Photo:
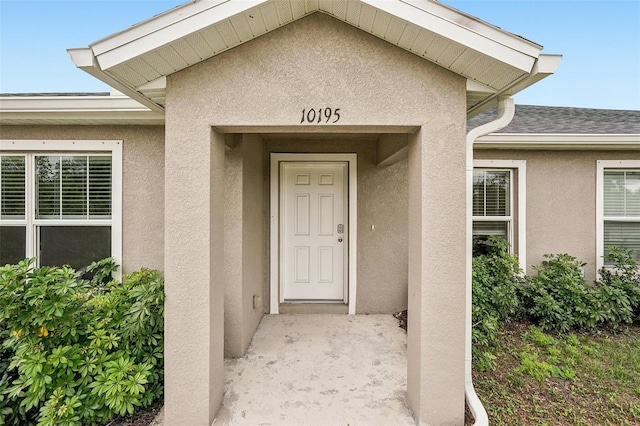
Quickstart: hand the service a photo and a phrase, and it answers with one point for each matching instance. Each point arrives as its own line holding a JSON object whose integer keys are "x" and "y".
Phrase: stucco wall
{"x": 245, "y": 241}
{"x": 561, "y": 201}
{"x": 382, "y": 203}
{"x": 233, "y": 253}
{"x": 142, "y": 184}
{"x": 316, "y": 62}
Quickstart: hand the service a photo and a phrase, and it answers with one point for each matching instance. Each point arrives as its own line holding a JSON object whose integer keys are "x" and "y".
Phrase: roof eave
{"x": 544, "y": 66}
{"x": 103, "y": 58}
{"x": 17, "y": 110}
{"x": 85, "y": 59}
{"x": 558, "y": 141}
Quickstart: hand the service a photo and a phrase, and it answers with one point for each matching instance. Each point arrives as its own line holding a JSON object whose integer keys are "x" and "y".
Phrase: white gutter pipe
{"x": 506, "y": 111}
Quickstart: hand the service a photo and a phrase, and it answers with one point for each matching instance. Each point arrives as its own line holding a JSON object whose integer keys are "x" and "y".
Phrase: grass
{"x": 573, "y": 379}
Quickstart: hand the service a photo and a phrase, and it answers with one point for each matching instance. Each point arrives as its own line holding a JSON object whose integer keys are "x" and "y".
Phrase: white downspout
{"x": 506, "y": 111}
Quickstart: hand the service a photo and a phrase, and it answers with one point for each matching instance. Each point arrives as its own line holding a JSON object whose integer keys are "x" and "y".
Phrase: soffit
{"x": 137, "y": 60}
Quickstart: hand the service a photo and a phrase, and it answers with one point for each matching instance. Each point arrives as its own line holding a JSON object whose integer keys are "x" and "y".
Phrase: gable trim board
{"x": 136, "y": 61}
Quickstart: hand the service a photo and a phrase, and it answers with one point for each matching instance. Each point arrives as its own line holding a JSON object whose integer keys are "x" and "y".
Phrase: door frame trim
{"x": 352, "y": 175}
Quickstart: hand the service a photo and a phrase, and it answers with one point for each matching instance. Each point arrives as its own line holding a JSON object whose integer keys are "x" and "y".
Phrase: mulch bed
{"x": 402, "y": 319}
{"x": 141, "y": 417}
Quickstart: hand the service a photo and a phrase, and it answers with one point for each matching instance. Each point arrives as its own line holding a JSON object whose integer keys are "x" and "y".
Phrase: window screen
{"x": 67, "y": 218}
{"x": 622, "y": 210}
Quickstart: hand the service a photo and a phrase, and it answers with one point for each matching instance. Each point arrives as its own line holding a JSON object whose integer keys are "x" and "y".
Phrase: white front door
{"x": 313, "y": 227}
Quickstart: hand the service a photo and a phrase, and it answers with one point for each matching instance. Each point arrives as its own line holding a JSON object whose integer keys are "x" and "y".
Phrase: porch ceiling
{"x": 137, "y": 60}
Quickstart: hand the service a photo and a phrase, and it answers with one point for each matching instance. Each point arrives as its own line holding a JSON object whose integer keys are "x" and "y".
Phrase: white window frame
{"x": 69, "y": 147}
{"x": 601, "y": 166}
{"x": 519, "y": 201}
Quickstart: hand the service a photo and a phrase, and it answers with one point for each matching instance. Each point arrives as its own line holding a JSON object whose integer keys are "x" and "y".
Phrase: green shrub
{"x": 558, "y": 298}
{"x": 79, "y": 351}
{"x": 496, "y": 276}
{"x": 620, "y": 287}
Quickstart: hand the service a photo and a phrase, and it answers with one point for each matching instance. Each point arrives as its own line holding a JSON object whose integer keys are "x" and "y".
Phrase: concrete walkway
{"x": 319, "y": 370}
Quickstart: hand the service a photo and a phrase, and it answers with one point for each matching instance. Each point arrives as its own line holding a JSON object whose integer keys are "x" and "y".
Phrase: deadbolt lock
{"x": 340, "y": 229}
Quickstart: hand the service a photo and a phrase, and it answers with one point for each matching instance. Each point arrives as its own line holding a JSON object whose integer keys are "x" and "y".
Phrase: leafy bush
{"x": 620, "y": 287}
{"x": 496, "y": 276}
{"x": 78, "y": 351}
{"x": 558, "y": 298}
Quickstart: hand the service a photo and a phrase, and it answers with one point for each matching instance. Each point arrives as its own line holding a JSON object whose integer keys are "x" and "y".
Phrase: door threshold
{"x": 314, "y": 308}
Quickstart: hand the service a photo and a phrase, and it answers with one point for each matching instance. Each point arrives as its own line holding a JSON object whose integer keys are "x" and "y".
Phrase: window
{"x": 58, "y": 203}
{"x": 618, "y": 199}
{"x": 497, "y": 210}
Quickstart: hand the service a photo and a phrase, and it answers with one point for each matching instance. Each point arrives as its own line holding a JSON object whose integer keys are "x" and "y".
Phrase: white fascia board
{"x": 115, "y": 109}
{"x": 507, "y": 48}
{"x": 69, "y": 103}
{"x": 85, "y": 59}
{"x": 82, "y": 57}
{"x": 544, "y": 66}
{"x": 149, "y": 118}
{"x": 558, "y": 141}
{"x": 175, "y": 25}
{"x": 153, "y": 24}
{"x": 477, "y": 25}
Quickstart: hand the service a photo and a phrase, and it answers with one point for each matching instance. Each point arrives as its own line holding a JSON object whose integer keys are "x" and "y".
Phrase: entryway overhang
{"x": 137, "y": 60}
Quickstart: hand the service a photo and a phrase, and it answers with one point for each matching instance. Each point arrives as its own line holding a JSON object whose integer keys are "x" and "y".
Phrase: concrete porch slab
{"x": 319, "y": 370}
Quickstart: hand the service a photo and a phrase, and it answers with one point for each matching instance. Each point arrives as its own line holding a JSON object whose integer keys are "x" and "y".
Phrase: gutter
{"x": 506, "y": 111}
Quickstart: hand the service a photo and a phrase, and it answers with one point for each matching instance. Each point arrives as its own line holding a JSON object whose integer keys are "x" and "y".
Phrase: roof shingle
{"x": 546, "y": 119}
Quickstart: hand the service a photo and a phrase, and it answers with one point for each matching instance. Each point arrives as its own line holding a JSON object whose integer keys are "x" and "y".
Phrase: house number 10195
{"x": 317, "y": 116}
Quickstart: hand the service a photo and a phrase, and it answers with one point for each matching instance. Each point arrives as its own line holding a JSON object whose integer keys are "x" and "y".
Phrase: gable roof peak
{"x": 136, "y": 60}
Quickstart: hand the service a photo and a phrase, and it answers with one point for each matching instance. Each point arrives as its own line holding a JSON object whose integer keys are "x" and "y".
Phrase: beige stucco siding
{"x": 315, "y": 62}
{"x": 245, "y": 241}
{"x": 142, "y": 183}
{"x": 262, "y": 87}
{"x": 561, "y": 201}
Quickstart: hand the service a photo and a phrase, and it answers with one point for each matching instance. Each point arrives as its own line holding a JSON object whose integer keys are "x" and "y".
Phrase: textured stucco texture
{"x": 244, "y": 243}
{"x": 316, "y": 62}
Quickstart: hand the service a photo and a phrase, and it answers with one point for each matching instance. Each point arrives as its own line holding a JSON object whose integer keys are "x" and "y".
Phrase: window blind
{"x": 491, "y": 192}
{"x": 487, "y": 229}
{"x": 99, "y": 187}
{"x": 621, "y": 193}
{"x": 622, "y": 235}
{"x": 12, "y": 187}
{"x": 73, "y": 187}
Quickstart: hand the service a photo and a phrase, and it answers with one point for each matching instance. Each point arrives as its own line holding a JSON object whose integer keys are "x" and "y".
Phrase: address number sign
{"x": 320, "y": 115}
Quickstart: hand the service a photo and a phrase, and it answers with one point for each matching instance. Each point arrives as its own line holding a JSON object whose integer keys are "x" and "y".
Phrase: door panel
{"x": 313, "y": 236}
